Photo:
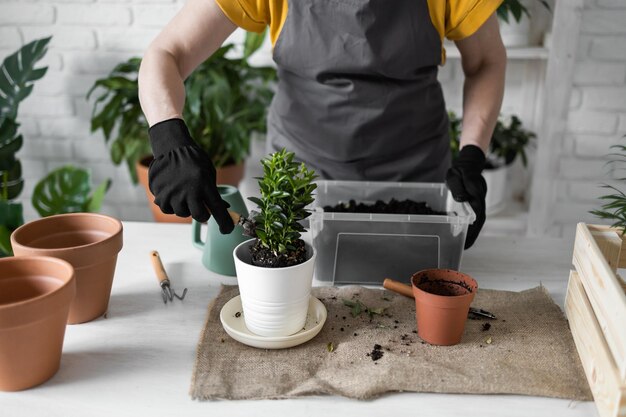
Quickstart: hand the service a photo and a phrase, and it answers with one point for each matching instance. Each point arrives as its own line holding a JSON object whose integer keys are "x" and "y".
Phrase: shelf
{"x": 521, "y": 53}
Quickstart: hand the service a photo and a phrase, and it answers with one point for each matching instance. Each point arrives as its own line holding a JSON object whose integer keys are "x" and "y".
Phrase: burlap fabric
{"x": 528, "y": 350}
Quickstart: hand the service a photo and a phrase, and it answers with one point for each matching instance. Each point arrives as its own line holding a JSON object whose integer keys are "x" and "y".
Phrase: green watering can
{"x": 217, "y": 249}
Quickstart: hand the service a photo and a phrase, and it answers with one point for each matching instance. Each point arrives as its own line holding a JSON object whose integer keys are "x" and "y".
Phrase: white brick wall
{"x": 598, "y": 121}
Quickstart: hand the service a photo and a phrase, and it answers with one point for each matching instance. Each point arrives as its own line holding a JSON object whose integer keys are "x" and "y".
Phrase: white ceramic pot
{"x": 515, "y": 34}
{"x": 274, "y": 300}
{"x": 497, "y": 189}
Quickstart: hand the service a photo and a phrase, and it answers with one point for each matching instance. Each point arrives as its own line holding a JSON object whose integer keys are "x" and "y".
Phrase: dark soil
{"x": 442, "y": 287}
{"x": 392, "y": 207}
{"x": 265, "y": 258}
{"x": 376, "y": 353}
{"x": 486, "y": 327}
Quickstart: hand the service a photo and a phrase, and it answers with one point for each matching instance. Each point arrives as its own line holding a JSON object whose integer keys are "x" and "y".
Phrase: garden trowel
{"x": 249, "y": 225}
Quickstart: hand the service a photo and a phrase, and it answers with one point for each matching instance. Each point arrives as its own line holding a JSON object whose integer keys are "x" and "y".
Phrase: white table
{"x": 139, "y": 360}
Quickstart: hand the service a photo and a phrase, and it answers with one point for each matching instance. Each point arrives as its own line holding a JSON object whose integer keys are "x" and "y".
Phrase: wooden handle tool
{"x": 398, "y": 287}
{"x": 248, "y": 225}
{"x": 166, "y": 291}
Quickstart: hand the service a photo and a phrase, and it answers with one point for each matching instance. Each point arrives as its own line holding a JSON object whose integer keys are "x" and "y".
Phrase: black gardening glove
{"x": 466, "y": 183}
{"x": 182, "y": 176}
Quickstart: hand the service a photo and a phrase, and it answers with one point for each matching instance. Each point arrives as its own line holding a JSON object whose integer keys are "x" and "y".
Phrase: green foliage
{"x": 454, "y": 131}
{"x": 17, "y": 75}
{"x": 11, "y": 217}
{"x": 68, "y": 190}
{"x": 226, "y": 101}
{"x": 357, "y": 307}
{"x": 517, "y": 9}
{"x": 286, "y": 189}
{"x": 509, "y": 139}
{"x": 614, "y": 204}
{"x": 117, "y": 113}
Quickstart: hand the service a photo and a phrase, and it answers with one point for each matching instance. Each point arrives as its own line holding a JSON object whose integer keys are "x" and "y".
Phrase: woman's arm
{"x": 483, "y": 58}
{"x": 190, "y": 37}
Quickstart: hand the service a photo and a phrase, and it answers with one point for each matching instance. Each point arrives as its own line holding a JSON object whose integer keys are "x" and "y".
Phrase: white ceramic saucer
{"x": 235, "y": 326}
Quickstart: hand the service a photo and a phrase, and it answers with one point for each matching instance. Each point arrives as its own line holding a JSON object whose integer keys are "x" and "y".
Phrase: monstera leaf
{"x": 68, "y": 190}
{"x": 17, "y": 74}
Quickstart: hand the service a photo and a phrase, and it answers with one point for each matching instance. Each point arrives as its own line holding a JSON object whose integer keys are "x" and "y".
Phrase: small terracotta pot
{"x": 228, "y": 175}
{"x": 35, "y": 297}
{"x": 89, "y": 242}
{"x": 442, "y": 301}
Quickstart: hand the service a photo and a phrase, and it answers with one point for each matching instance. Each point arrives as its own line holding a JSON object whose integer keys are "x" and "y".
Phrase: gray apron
{"x": 358, "y": 96}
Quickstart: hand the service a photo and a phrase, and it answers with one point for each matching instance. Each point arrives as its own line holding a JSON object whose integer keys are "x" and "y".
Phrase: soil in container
{"x": 443, "y": 287}
{"x": 264, "y": 257}
{"x": 381, "y": 207}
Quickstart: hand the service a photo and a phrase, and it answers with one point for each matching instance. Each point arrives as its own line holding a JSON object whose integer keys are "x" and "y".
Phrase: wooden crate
{"x": 596, "y": 308}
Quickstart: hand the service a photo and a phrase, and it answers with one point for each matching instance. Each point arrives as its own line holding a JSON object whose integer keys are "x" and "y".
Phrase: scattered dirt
{"x": 265, "y": 258}
{"x": 486, "y": 326}
{"x": 392, "y": 207}
{"x": 376, "y": 353}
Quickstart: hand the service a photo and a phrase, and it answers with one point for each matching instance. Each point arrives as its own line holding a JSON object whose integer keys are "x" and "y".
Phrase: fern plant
{"x": 286, "y": 190}
{"x": 614, "y": 203}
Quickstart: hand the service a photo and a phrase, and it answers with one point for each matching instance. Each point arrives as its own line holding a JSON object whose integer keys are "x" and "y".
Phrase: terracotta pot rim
{"x": 67, "y": 279}
{"x": 114, "y": 235}
{"x": 447, "y": 272}
{"x": 313, "y": 253}
{"x": 146, "y": 159}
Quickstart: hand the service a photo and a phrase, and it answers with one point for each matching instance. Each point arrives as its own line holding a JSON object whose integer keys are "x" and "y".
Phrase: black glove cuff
{"x": 471, "y": 156}
{"x": 168, "y": 135}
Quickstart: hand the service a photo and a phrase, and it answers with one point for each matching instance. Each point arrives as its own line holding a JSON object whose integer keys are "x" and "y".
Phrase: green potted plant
{"x": 515, "y": 32}
{"x": 275, "y": 270}
{"x": 508, "y": 142}
{"x": 64, "y": 190}
{"x": 227, "y": 100}
{"x": 614, "y": 204}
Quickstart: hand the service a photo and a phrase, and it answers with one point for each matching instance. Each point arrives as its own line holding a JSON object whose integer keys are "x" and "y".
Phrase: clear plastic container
{"x": 361, "y": 248}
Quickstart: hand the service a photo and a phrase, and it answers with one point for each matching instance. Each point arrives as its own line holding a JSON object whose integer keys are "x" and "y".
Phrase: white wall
{"x": 91, "y": 36}
{"x": 596, "y": 117}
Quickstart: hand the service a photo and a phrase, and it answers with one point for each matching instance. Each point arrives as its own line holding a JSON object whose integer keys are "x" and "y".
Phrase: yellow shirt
{"x": 453, "y": 19}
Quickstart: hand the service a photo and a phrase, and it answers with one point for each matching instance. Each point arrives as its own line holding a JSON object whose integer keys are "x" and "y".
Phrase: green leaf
{"x": 96, "y": 199}
{"x": 65, "y": 190}
{"x": 5, "y": 241}
{"x": 252, "y": 43}
{"x": 17, "y": 73}
{"x": 11, "y": 217}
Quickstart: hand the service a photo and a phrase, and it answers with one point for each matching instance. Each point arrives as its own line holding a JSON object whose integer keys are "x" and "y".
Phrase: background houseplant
{"x": 516, "y": 31}
{"x": 227, "y": 100}
{"x": 509, "y": 141}
{"x": 65, "y": 190}
{"x": 614, "y": 204}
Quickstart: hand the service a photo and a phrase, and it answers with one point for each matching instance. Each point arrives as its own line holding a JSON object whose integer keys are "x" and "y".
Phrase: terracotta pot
{"x": 442, "y": 301}
{"x": 228, "y": 175}
{"x": 89, "y": 242}
{"x": 35, "y": 297}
